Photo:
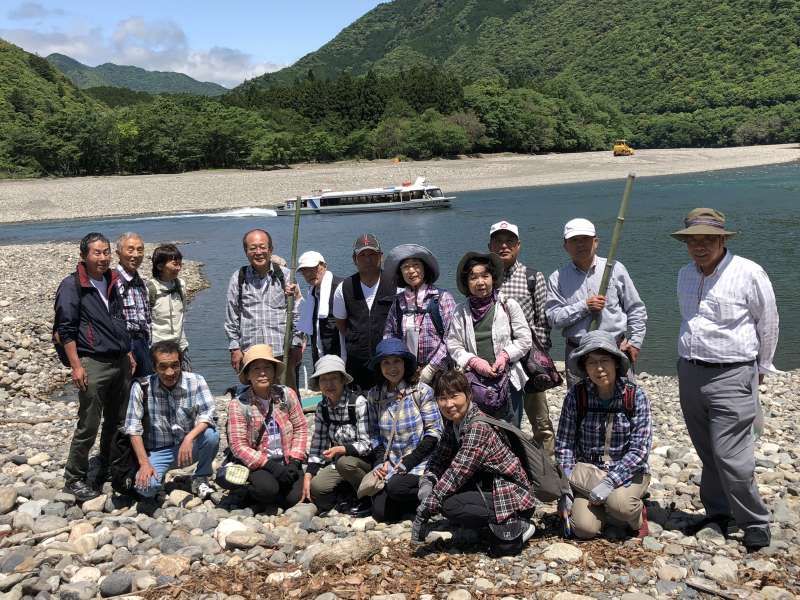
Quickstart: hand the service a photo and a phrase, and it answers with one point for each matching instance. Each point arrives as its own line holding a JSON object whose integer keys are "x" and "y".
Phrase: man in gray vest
{"x": 729, "y": 331}
{"x": 316, "y": 319}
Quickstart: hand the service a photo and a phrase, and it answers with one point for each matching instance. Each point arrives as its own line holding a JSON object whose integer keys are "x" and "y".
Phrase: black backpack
{"x": 352, "y": 419}
{"x": 547, "y": 481}
{"x": 582, "y": 403}
{"x": 122, "y": 462}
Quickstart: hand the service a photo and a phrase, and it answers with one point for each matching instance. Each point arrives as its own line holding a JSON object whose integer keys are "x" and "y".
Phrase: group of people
{"x": 408, "y": 377}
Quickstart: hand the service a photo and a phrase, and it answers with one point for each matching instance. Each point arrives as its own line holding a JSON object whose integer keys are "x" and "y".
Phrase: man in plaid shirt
{"x": 173, "y": 425}
{"x": 135, "y": 305}
{"x": 529, "y": 289}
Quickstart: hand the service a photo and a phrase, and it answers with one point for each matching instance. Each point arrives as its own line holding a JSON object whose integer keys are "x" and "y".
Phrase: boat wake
{"x": 235, "y": 213}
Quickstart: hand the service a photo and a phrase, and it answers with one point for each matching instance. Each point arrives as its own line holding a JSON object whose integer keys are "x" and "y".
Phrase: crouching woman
{"x": 603, "y": 442}
{"x": 340, "y": 453}
{"x": 267, "y": 432}
{"x": 473, "y": 478}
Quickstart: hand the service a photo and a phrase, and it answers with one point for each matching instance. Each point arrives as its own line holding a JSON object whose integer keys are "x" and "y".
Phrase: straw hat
{"x": 598, "y": 340}
{"x": 495, "y": 266}
{"x": 259, "y": 351}
{"x": 703, "y": 221}
{"x": 330, "y": 363}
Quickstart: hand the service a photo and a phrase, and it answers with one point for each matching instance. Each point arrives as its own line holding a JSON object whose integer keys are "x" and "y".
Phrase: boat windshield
{"x": 434, "y": 192}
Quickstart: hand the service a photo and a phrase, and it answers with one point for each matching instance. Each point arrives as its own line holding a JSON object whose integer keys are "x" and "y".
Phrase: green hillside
{"x": 652, "y": 56}
{"x": 132, "y": 78}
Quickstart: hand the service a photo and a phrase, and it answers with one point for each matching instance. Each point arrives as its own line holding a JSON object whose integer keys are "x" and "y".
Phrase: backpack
{"x": 122, "y": 462}
{"x": 352, "y": 419}
{"x": 548, "y": 482}
{"x": 276, "y": 268}
{"x": 582, "y": 403}
{"x": 57, "y": 345}
{"x": 432, "y": 308}
{"x": 153, "y": 292}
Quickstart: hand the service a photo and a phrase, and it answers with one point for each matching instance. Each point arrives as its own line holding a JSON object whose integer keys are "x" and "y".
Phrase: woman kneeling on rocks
{"x": 473, "y": 478}
{"x": 603, "y": 442}
{"x": 340, "y": 446}
{"x": 267, "y": 432}
{"x": 405, "y": 426}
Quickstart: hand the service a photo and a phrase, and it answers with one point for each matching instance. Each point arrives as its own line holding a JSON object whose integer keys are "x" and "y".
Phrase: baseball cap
{"x": 309, "y": 259}
{"x": 504, "y": 226}
{"x": 366, "y": 241}
{"x": 577, "y": 227}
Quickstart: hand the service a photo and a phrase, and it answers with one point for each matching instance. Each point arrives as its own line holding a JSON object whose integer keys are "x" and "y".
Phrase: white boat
{"x": 408, "y": 196}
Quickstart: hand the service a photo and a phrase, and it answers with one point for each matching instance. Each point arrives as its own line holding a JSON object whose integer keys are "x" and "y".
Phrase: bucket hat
{"x": 598, "y": 340}
{"x": 703, "y": 221}
{"x": 495, "y": 265}
{"x": 405, "y": 251}
{"x": 394, "y": 347}
{"x": 330, "y": 363}
{"x": 259, "y": 351}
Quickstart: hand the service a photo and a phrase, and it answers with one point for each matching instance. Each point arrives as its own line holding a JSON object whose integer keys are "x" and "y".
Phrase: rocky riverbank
{"x": 184, "y": 547}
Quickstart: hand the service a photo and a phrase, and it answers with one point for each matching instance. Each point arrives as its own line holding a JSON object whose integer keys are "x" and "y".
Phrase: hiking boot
{"x": 756, "y": 537}
{"x": 722, "y": 521}
{"x": 201, "y": 487}
{"x": 644, "y": 528}
{"x": 81, "y": 490}
{"x": 362, "y": 508}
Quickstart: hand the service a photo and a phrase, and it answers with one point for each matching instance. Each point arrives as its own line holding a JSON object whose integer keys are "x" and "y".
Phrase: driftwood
{"x": 346, "y": 552}
{"x": 701, "y": 586}
{"x": 31, "y": 420}
{"x": 46, "y": 534}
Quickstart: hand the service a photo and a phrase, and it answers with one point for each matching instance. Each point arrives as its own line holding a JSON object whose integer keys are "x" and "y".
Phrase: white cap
{"x": 577, "y": 227}
{"x": 309, "y": 259}
{"x": 504, "y": 226}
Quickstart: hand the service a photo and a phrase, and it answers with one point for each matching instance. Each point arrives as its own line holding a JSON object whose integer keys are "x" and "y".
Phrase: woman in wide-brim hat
{"x": 489, "y": 335}
{"x": 421, "y": 313}
{"x": 405, "y": 425}
{"x": 267, "y": 431}
{"x": 340, "y": 450}
{"x": 603, "y": 441}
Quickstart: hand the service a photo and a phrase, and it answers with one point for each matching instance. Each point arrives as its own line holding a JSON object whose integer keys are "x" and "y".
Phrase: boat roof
{"x": 419, "y": 184}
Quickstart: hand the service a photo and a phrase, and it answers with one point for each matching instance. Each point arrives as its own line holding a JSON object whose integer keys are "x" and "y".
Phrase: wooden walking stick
{"x": 287, "y": 338}
{"x": 612, "y": 250}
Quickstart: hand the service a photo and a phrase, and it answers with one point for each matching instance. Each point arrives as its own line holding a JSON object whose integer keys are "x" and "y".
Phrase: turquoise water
{"x": 760, "y": 202}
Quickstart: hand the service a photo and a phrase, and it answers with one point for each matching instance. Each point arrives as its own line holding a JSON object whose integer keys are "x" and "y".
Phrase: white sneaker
{"x": 201, "y": 487}
{"x": 528, "y": 533}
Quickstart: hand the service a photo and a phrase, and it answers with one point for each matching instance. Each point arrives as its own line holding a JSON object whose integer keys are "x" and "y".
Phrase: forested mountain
{"x": 132, "y": 78}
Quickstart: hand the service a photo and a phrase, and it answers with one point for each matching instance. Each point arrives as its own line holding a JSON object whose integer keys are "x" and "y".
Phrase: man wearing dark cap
{"x": 361, "y": 304}
{"x": 728, "y": 335}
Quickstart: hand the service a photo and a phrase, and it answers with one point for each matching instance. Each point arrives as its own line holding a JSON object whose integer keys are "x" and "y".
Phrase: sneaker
{"x": 362, "y": 508}
{"x": 81, "y": 490}
{"x": 201, "y": 487}
{"x": 756, "y": 537}
{"x": 644, "y": 528}
{"x": 528, "y": 533}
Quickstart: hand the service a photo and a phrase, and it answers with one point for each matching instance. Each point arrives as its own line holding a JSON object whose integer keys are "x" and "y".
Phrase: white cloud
{"x": 32, "y": 10}
{"x": 152, "y": 45}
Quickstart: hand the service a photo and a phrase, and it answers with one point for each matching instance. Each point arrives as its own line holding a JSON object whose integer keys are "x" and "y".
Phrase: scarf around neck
{"x": 480, "y": 306}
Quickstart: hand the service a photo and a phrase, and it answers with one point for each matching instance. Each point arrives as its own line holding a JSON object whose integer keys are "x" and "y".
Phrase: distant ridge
{"x": 132, "y": 78}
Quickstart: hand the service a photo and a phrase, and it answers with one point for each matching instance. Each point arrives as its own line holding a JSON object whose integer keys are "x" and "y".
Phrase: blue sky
{"x": 225, "y": 42}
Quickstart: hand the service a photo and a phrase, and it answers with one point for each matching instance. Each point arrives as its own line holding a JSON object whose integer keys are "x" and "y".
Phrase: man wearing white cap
{"x": 316, "y": 309}
{"x": 573, "y": 299}
{"x": 529, "y": 288}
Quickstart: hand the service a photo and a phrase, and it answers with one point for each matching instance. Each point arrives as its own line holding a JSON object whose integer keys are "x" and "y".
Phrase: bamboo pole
{"x": 287, "y": 339}
{"x": 612, "y": 250}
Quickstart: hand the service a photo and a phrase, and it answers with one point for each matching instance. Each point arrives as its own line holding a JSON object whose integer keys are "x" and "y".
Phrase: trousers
{"x": 720, "y": 407}
{"x": 397, "y": 499}
{"x": 204, "y": 450}
{"x": 268, "y": 487}
{"x": 539, "y": 417}
{"x": 622, "y": 507}
{"x": 349, "y": 470}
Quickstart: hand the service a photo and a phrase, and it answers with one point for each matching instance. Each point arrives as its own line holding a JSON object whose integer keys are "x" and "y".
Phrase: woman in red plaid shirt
{"x": 473, "y": 478}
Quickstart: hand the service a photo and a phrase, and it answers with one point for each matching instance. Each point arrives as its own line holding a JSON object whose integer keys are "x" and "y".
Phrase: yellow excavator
{"x": 621, "y": 148}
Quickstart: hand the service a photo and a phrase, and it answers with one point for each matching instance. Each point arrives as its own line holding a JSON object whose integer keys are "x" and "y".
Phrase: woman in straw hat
{"x": 421, "y": 313}
{"x": 340, "y": 453}
{"x": 405, "y": 425}
{"x": 489, "y": 335}
{"x": 603, "y": 441}
{"x": 267, "y": 431}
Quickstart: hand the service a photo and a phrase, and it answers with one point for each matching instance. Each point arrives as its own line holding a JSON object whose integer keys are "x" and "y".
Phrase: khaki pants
{"x": 623, "y": 507}
{"x": 539, "y": 418}
{"x": 350, "y": 469}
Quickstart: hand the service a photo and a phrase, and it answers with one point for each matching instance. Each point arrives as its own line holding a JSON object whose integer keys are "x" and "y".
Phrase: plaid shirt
{"x": 135, "y": 303}
{"x": 243, "y": 432}
{"x": 630, "y": 439}
{"x": 354, "y": 438}
{"x": 190, "y": 402}
{"x": 480, "y": 453}
{"x": 431, "y": 348}
{"x": 415, "y": 419}
{"x": 263, "y": 312}
{"x": 515, "y": 285}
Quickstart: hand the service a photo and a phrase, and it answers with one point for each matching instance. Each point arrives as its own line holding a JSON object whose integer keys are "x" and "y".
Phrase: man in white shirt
{"x": 316, "y": 319}
{"x": 728, "y": 335}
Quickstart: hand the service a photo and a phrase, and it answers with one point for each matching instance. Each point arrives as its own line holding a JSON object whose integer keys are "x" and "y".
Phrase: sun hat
{"x": 330, "y": 363}
{"x": 703, "y": 221}
{"x": 577, "y": 227}
{"x": 309, "y": 259}
{"x": 495, "y": 265}
{"x": 366, "y": 241}
{"x": 405, "y": 251}
{"x": 259, "y": 351}
{"x": 394, "y": 347}
{"x": 504, "y": 226}
{"x": 598, "y": 340}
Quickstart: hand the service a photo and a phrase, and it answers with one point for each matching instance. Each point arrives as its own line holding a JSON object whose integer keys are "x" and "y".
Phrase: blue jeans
{"x": 163, "y": 459}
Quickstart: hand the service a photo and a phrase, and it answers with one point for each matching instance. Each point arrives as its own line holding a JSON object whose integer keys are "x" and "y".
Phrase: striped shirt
{"x": 569, "y": 288}
{"x": 135, "y": 303}
{"x": 339, "y": 432}
{"x": 187, "y": 404}
{"x": 729, "y": 316}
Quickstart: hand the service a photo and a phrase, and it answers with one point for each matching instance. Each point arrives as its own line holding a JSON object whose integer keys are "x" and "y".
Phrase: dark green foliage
{"x": 117, "y": 96}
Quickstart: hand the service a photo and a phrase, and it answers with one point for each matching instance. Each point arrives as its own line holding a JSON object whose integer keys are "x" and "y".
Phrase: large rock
{"x": 8, "y": 499}
{"x": 225, "y": 528}
{"x": 95, "y": 504}
{"x": 116, "y": 584}
{"x": 79, "y": 530}
{"x": 49, "y": 523}
{"x": 562, "y": 551}
{"x": 354, "y": 549}
{"x": 723, "y": 570}
{"x": 90, "y": 574}
{"x": 170, "y": 565}
{"x": 243, "y": 540}
{"x": 81, "y": 590}
{"x": 85, "y": 544}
